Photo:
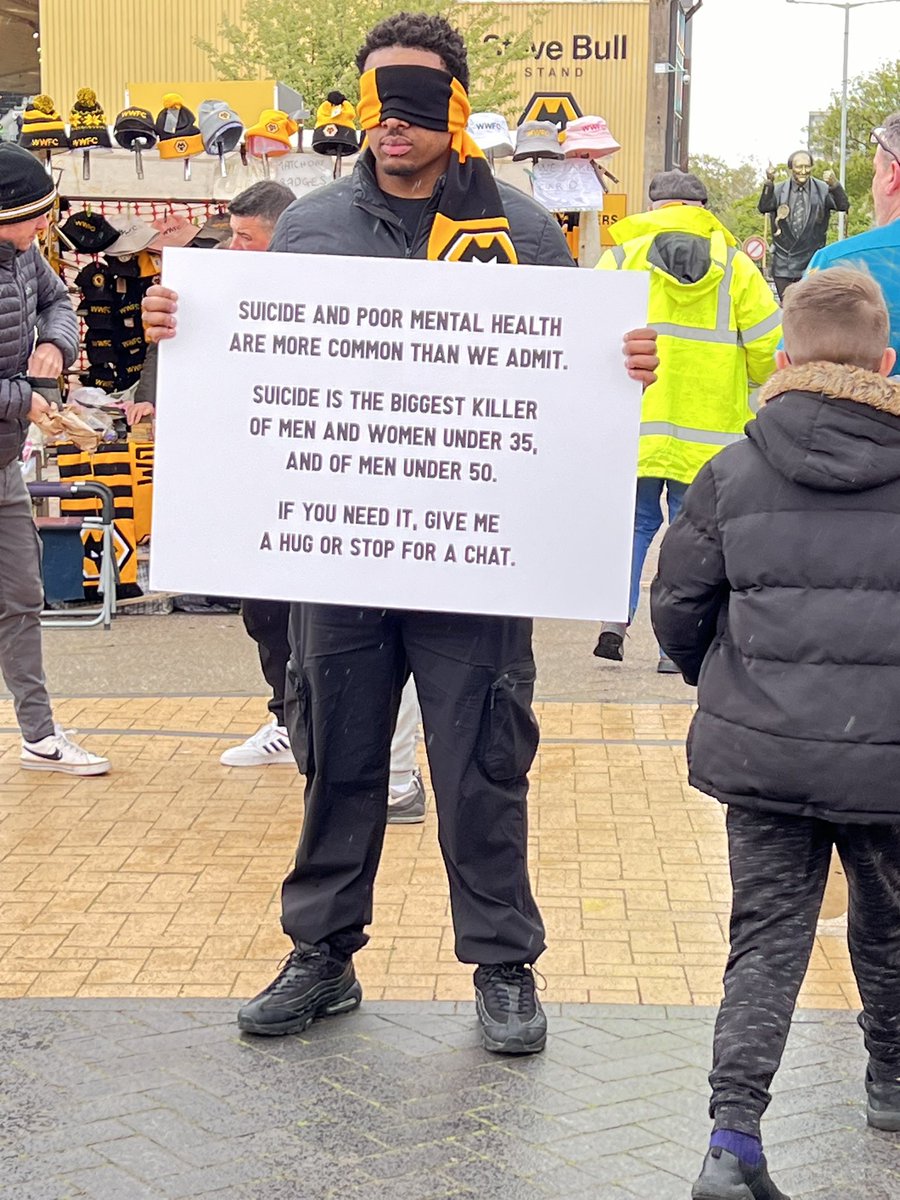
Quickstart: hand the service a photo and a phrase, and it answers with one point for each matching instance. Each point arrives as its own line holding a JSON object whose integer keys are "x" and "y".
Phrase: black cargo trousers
{"x": 779, "y": 868}
{"x": 475, "y": 679}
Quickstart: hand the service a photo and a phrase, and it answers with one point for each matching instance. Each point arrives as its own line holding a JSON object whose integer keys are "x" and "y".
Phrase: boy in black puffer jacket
{"x": 779, "y": 594}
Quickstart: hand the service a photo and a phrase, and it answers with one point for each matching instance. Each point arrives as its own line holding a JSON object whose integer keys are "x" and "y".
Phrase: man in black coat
{"x": 779, "y": 592}
{"x": 413, "y": 195}
{"x": 799, "y": 209}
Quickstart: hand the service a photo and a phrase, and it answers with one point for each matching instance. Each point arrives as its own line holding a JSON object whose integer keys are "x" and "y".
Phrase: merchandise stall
{"x": 160, "y": 174}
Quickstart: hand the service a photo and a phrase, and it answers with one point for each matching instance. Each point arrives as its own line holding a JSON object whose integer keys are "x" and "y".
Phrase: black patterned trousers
{"x": 779, "y": 868}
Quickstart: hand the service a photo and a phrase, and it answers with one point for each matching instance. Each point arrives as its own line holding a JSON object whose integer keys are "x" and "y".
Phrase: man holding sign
{"x": 422, "y": 189}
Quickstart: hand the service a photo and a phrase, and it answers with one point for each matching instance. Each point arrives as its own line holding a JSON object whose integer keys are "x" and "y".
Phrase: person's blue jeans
{"x": 648, "y": 519}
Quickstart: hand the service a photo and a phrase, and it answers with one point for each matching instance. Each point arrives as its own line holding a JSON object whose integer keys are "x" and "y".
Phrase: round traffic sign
{"x": 755, "y": 248}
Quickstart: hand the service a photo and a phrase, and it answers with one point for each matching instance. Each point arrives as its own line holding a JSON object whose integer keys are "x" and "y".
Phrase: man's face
{"x": 23, "y": 233}
{"x": 801, "y": 168}
{"x": 249, "y": 233}
{"x": 404, "y": 151}
{"x": 885, "y": 187}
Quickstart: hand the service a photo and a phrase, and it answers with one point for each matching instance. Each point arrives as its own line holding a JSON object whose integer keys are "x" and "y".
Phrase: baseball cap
{"x": 537, "y": 139}
{"x": 589, "y": 137}
{"x": 88, "y": 233}
{"x": 134, "y": 235}
{"x": 217, "y": 229}
{"x": 173, "y": 231}
{"x": 491, "y": 132}
{"x": 677, "y": 185}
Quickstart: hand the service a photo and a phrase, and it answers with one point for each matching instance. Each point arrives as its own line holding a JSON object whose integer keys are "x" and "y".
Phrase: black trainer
{"x": 610, "y": 645}
{"x": 512, "y": 1020}
{"x": 725, "y": 1177}
{"x": 884, "y": 1103}
{"x": 310, "y": 984}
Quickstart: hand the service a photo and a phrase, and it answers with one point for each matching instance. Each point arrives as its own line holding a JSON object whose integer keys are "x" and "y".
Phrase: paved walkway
{"x": 163, "y": 1100}
{"x": 162, "y": 878}
{"x": 137, "y": 909}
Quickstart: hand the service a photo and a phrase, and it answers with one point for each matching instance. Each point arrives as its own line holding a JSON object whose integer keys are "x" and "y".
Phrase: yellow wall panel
{"x": 596, "y": 52}
{"x": 106, "y": 44}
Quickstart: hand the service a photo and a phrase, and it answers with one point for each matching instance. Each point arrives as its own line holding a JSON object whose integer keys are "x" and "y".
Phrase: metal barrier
{"x": 101, "y": 522}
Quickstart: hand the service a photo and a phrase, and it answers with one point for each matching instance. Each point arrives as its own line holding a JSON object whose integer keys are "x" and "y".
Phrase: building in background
{"x": 19, "y": 57}
{"x": 625, "y": 60}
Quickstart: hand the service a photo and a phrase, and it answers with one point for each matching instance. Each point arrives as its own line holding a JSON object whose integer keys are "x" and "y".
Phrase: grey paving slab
{"x": 212, "y": 655}
{"x": 165, "y": 1100}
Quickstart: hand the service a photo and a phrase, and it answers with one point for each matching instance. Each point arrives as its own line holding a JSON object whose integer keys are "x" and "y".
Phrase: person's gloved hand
{"x": 830, "y": 178}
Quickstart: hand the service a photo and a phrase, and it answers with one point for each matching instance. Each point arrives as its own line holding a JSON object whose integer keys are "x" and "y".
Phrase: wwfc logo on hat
{"x": 330, "y": 130}
{"x": 181, "y": 145}
{"x": 558, "y": 107}
{"x": 272, "y": 127}
{"x": 224, "y": 115}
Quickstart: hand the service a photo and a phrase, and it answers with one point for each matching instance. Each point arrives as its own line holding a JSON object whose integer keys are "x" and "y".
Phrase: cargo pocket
{"x": 297, "y": 717}
{"x": 511, "y": 733}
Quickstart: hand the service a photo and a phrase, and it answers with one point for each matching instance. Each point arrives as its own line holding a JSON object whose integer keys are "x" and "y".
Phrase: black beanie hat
{"x": 26, "y": 190}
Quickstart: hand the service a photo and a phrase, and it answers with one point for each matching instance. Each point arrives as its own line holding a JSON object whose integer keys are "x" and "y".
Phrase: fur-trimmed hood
{"x": 832, "y": 427}
{"x": 839, "y": 381}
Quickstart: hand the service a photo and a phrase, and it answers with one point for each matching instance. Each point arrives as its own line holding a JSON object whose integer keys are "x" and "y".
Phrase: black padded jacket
{"x": 779, "y": 590}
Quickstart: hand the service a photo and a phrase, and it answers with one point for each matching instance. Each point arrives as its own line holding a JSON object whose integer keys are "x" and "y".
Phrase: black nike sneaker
{"x": 512, "y": 1020}
{"x": 726, "y": 1177}
{"x": 311, "y": 983}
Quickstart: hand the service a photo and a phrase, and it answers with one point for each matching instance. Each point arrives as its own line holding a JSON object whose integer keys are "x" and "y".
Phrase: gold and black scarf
{"x": 470, "y": 224}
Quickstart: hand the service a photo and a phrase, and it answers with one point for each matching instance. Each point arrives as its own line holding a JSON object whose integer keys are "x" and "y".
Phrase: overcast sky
{"x": 760, "y": 67}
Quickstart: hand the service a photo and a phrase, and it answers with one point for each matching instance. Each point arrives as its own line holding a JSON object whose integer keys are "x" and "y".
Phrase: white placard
{"x": 302, "y": 173}
{"x": 398, "y": 433}
{"x": 570, "y": 185}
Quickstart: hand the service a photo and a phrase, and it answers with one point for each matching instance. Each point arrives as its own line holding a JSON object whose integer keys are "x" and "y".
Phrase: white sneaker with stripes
{"x": 267, "y": 746}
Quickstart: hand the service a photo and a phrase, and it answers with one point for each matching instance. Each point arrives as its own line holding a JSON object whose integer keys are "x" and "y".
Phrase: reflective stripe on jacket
{"x": 718, "y": 327}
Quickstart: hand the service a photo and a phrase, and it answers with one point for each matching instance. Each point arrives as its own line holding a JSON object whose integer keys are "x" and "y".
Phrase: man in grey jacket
{"x": 409, "y": 197}
{"x": 38, "y": 340}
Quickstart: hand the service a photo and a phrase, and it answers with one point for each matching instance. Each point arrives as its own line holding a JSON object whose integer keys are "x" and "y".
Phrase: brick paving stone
{"x": 162, "y": 878}
{"x": 344, "y": 1111}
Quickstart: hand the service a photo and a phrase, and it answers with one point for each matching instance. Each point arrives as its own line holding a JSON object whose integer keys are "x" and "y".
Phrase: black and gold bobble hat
{"x": 179, "y": 136}
{"x": 42, "y": 126}
{"x": 87, "y": 123}
{"x": 26, "y": 190}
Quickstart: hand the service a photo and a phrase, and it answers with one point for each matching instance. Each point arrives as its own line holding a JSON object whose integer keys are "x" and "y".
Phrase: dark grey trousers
{"x": 475, "y": 678}
{"x": 779, "y": 868}
{"x": 266, "y": 621}
{"x": 21, "y": 601}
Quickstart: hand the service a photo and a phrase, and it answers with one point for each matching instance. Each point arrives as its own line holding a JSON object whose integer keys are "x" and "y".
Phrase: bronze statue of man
{"x": 800, "y": 209}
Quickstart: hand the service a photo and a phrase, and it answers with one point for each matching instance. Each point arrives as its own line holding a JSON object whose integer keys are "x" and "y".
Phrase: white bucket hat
{"x": 491, "y": 133}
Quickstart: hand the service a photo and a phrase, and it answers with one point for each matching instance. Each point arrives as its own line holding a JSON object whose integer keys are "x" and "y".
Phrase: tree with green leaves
{"x": 733, "y": 193}
{"x": 311, "y": 47}
{"x": 871, "y": 98}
